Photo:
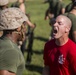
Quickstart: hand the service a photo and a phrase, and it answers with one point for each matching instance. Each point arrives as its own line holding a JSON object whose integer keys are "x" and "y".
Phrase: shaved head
{"x": 67, "y": 21}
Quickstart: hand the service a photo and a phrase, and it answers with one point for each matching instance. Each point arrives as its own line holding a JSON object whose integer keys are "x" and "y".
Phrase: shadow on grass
{"x": 34, "y": 68}
{"x": 36, "y": 51}
{"x": 41, "y": 39}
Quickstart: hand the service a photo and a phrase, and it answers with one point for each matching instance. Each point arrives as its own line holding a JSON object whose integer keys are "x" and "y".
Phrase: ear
{"x": 67, "y": 30}
{"x": 18, "y": 29}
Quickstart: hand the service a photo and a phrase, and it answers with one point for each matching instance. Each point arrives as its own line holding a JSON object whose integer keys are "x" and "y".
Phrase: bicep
{"x": 5, "y": 72}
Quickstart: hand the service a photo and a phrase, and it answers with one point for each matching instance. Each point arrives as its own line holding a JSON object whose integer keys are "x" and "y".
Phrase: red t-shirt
{"x": 60, "y": 59}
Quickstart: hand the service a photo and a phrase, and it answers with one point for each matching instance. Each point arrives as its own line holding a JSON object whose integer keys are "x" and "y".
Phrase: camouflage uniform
{"x": 11, "y": 57}
{"x": 69, "y": 6}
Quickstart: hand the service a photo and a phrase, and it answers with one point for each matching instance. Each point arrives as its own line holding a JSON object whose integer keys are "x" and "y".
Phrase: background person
{"x": 60, "y": 53}
{"x": 72, "y": 16}
{"x": 56, "y": 7}
{"x": 11, "y": 58}
{"x": 51, "y": 9}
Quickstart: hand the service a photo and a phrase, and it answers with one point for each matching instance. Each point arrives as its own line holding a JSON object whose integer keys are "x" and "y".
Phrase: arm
{"x": 30, "y": 24}
{"x": 46, "y": 71}
{"x": 63, "y": 10}
{"x": 5, "y": 72}
{"x": 46, "y": 14}
{"x": 22, "y": 7}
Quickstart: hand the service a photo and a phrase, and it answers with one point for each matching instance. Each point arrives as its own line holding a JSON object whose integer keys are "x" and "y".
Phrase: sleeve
{"x": 45, "y": 57}
{"x": 9, "y": 60}
{"x": 68, "y": 8}
{"x": 73, "y": 23}
{"x": 72, "y": 60}
{"x": 26, "y": 17}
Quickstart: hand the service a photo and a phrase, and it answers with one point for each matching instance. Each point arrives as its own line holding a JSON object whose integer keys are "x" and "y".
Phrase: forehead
{"x": 60, "y": 19}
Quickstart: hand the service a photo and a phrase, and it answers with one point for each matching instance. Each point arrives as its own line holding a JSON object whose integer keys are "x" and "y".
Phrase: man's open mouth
{"x": 55, "y": 31}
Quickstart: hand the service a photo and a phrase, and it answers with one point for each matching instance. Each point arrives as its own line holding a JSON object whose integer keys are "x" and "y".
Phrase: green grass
{"x": 37, "y": 9}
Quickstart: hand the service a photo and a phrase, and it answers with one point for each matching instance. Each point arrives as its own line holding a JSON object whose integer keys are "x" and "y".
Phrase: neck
{"x": 61, "y": 41}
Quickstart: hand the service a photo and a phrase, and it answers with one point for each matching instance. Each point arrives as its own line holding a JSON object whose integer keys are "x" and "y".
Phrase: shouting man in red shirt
{"x": 60, "y": 52}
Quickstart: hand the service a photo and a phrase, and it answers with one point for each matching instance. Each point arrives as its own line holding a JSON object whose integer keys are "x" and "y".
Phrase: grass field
{"x": 37, "y": 9}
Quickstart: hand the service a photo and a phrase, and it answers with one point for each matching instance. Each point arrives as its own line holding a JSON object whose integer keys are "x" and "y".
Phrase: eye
{"x": 60, "y": 23}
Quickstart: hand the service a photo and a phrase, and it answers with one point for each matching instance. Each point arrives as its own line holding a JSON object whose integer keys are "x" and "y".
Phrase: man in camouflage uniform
{"x": 11, "y": 58}
{"x": 56, "y": 7}
{"x": 72, "y": 16}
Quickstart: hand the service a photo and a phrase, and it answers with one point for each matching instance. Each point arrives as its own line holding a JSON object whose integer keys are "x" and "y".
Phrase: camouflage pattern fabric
{"x": 11, "y": 18}
{"x": 3, "y": 2}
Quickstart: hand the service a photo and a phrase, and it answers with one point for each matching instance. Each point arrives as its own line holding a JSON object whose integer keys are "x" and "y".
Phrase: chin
{"x": 55, "y": 37}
